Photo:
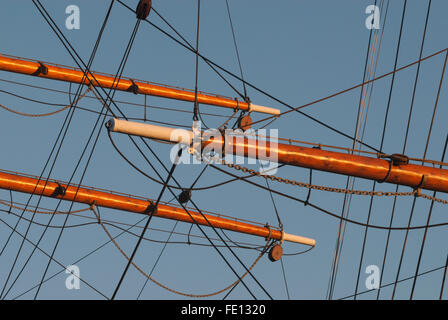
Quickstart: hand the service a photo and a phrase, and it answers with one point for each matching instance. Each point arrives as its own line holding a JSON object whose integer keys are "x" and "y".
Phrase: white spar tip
{"x": 298, "y": 239}
{"x": 150, "y": 131}
{"x": 262, "y": 109}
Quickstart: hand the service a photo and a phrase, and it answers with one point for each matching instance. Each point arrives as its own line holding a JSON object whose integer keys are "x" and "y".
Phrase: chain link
{"x": 417, "y": 192}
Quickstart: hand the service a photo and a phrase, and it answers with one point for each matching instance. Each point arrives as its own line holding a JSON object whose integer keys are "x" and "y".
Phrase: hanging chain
{"x": 267, "y": 247}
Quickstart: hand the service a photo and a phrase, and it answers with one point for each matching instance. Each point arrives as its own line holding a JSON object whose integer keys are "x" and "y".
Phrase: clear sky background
{"x": 296, "y": 50}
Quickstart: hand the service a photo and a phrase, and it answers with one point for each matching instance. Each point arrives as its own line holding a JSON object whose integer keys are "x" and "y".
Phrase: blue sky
{"x": 296, "y": 50}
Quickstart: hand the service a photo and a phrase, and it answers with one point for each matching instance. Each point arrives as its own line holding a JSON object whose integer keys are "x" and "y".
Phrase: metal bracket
{"x": 151, "y": 208}
{"x": 43, "y": 69}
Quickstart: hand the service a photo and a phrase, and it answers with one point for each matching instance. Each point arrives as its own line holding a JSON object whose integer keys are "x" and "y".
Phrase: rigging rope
{"x": 411, "y": 109}
{"x": 191, "y": 295}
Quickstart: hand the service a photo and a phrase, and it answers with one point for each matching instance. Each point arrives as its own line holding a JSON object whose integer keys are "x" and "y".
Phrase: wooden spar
{"x": 106, "y": 81}
{"x": 111, "y": 200}
{"x": 414, "y": 176}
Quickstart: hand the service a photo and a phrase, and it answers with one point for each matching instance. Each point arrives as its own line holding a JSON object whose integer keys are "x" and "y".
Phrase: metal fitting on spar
{"x": 297, "y": 239}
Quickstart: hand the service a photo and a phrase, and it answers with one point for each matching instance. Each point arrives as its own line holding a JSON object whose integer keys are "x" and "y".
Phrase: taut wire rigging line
{"x": 350, "y": 181}
{"x": 41, "y": 10}
{"x": 325, "y": 211}
{"x": 428, "y": 221}
{"x": 395, "y": 282}
{"x": 48, "y": 255}
{"x": 93, "y": 97}
{"x": 383, "y": 135}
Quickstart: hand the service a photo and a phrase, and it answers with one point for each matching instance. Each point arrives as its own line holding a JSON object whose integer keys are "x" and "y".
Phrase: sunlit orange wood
{"x": 88, "y": 196}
